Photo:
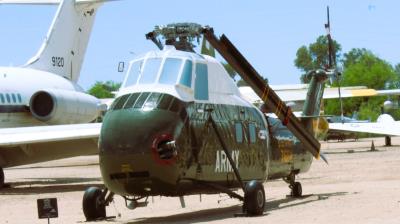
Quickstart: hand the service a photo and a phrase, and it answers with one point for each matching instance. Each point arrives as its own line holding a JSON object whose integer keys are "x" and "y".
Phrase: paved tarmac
{"x": 358, "y": 186}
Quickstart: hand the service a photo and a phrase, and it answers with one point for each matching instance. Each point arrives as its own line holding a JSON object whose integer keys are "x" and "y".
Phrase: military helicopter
{"x": 179, "y": 126}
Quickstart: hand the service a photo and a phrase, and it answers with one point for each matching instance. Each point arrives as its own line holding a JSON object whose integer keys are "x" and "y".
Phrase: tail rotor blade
{"x": 332, "y": 60}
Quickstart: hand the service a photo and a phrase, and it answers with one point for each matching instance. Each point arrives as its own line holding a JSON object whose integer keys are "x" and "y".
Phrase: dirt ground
{"x": 357, "y": 186}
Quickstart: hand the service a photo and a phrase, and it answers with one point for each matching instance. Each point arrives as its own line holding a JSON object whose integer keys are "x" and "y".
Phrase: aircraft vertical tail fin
{"x": 312, "y": 104}
{"x": 64, "y": 47}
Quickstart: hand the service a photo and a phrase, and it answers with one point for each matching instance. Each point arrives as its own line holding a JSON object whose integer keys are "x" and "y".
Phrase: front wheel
{"x": 254, "y": 198}
{"x": 92, "y": 206}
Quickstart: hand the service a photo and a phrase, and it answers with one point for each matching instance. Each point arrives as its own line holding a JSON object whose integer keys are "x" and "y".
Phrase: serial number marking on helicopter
{"x": 125, "y": 168}
{"x": 222, "y": 164}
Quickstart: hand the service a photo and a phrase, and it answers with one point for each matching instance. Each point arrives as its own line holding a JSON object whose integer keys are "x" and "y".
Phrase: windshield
{"x": 150, "y": 71}
{"x": 146, "y": 72}
{"x": 134, "y": 73}
{"x": 171, "y": 69}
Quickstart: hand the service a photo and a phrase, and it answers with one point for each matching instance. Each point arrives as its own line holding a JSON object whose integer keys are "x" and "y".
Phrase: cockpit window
{"x": 186, "y": 78}
{"x": 150, "y": 71}
{"x": 201, "y": 82}
{"x": 134, "y": 73}
{"x": 152, "y": 101}
{"x": 140, "y": 101}
{"x": 171, "y": 69}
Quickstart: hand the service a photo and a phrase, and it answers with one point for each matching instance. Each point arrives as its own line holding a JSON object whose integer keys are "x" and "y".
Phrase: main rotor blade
{"x": 229, "y": 52}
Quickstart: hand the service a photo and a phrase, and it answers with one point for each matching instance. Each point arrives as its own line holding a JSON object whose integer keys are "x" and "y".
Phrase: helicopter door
{"x": 201, "y": 82}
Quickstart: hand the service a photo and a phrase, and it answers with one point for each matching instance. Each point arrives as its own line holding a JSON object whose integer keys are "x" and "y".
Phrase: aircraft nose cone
{"x": 135, "y": 131}
{"x": 139, "y": 147}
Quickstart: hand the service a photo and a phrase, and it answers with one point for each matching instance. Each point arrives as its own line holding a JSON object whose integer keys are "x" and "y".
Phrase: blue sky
{"x": 268, "y": 33}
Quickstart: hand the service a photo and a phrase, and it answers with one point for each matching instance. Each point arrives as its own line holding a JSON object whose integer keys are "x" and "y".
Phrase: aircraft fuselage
{"x": 132, "y": 165}
{"x": 18, "y": 85}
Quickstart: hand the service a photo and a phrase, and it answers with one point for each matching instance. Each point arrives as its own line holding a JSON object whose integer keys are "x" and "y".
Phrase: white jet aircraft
{"x": 385, "y": 125}
{"x": 45, "y": 92}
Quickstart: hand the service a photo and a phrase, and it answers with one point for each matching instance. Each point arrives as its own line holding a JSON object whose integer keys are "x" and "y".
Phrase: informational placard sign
{"x": 47, "y": 208}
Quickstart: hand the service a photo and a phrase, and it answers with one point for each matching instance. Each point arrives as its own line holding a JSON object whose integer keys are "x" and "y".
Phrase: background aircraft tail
{"x": 64, "y": 47}
{"x": 312, "y": 104}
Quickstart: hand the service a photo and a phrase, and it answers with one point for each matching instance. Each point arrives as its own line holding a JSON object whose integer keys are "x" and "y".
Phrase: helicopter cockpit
{"x": 176, "y": 69}
{"x": 169, "y": 70}
{"x": 185, "y": 75}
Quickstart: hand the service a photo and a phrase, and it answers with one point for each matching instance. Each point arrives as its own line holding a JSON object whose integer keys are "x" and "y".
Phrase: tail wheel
{"x": 92, "y": 206}
{"x": 297, "y": 190}
{"x": 254, "y": 198}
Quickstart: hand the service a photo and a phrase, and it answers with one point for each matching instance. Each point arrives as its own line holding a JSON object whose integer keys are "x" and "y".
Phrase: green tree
{"x": 396, "y": 82}
{"x": 362, "y": 67}
{"x": 103, "y": 90}
{"x": 232, "y": 73}
{"x": 241, "y": 82}
{"x": 369, "y": 70}
{"x": 315, "y": 56}
{"x": 353, "y": 56}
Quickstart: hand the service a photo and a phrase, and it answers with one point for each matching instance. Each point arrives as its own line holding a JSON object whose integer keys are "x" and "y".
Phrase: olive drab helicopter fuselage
{"x": 180, "y": 126}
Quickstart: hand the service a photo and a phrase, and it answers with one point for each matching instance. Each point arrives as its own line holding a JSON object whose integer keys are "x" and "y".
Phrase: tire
{"x": 92, "y": 209}
{"x": 1, "y": 178}
{"x": 297, "y": 190}
{"x": 254, "y": 198}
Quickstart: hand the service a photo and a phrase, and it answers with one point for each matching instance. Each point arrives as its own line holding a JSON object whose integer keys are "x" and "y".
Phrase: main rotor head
{"x": 180, "y": 35}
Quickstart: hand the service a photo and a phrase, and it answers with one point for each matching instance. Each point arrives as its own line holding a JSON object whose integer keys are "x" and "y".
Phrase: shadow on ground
{"x": 229, "y": 212}
{"x": 49, "y": 185}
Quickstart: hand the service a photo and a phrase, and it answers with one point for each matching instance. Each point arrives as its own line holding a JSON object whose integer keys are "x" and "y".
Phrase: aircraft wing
{"x": 382, "y": 128}
{"x": 49, "y": 2}
{"x": 299, "y": 94}
{"x": 39, "y": 134}
{"x": 26, "y": 145}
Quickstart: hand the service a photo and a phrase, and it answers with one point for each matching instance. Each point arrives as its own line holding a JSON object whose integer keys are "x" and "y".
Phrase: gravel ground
{"x": 358, "y": 186}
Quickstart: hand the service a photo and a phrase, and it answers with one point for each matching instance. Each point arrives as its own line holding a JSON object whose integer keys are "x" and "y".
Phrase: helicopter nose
{"x": 139, "y": 148}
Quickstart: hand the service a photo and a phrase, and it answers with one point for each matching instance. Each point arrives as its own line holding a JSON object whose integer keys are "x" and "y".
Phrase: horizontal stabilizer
{"x": 50, "y": 2}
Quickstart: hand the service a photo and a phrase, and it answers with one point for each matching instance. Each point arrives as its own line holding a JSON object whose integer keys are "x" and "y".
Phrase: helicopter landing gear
{"x": 254, "y": 194}
{"x": 296, "y": 190}
{"x": 94, "y": 203}
{"x": 254, "y": 198}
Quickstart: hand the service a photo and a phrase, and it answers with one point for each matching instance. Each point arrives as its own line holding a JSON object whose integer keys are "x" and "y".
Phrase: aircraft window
{"x": 201, "y": 82}
{"x": 252, "y": 132}
{"x": 114, "y": 103}
{"x": 239, "y": 132}
{"x": 165, "y": 102}
{"x": 8, "y": 98}
{"x": 131, "y": 101}
{"x": 14, "y": 99}
{"x": 150, "y": 71}
{"x": 2, "y": 97}
{"x": 152, "y": 101}
{"x": 140, "y": 101}
{"x": 186, "y": 78}
{"x": 19, "y": 98}
{"x": 134, "y": 73}
{"x": 175, "y": 105}
{"x": 170, "y": 70}
{"x": 121, "y": 102}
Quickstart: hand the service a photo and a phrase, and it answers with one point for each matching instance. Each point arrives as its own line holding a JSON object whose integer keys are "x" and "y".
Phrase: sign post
{"x": 47, "y": 208}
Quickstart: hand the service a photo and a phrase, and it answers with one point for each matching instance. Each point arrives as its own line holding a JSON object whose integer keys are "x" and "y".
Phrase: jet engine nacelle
{"x": 54, "y": 106}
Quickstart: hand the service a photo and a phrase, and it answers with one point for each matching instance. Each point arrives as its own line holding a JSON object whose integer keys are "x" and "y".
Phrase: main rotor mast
{"x": 180, "y": 35}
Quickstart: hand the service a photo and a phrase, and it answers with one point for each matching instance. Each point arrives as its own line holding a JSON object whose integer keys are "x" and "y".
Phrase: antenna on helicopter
{"x": 180, "y": 35}
{"x": 332, "y": 60}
